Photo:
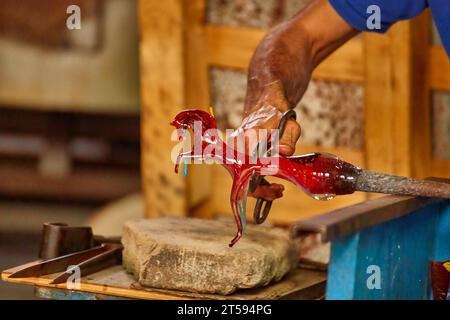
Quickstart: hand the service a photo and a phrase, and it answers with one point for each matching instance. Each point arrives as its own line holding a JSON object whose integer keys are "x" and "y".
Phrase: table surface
{"x": 115, "y": 282}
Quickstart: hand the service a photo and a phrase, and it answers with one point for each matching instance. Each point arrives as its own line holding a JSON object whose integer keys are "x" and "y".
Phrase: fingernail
{"x": 285, "y": 149}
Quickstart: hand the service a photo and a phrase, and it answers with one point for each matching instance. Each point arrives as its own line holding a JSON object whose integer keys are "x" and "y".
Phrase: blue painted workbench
{"x": 382, "y": 248}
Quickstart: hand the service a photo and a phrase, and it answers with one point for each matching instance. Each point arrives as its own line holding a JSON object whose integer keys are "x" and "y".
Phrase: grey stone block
{"x": 193, "y": 255}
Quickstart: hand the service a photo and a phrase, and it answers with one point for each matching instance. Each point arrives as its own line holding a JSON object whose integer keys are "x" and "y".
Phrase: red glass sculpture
{"x": 322, "y": 176}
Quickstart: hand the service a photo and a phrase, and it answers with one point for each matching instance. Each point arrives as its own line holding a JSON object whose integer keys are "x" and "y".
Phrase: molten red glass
{"x": 322, "y": 176}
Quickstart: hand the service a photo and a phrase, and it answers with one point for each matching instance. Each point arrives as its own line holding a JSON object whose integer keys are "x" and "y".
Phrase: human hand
{"x": 266, "y": 114}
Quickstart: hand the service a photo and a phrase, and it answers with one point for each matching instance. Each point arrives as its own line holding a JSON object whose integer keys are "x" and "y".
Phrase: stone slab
{"x": 193, "y": 255}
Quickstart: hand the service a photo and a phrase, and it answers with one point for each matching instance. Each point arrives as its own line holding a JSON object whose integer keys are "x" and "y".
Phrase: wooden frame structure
{"x": 177, "y": 48}
{"x": 402, "y": 69}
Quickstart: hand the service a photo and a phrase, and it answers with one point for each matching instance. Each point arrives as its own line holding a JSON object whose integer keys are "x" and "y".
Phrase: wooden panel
{"x": 399, "y": 76}
{"x": 438, "y": 168}
{"x": 388, "y": 100}
{"x": 162, "y": 95}
{"x": 421, "y": 123}
{"x": 346, "y": 64}
{"x": 378, "y": 97}
{"x": 377, "y": 102}
{"x": 402, "y": 98}
{"x": 295, "y": 204}
{"x": 196, "y": 90}
{"x": 116, "y": 282}
{"x": 432, "y": 72}
{"x": 233, "y": 48}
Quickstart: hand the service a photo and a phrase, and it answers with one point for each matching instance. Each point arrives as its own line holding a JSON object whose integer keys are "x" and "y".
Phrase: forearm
{"x": 285, "y": 56}
{"x": 289, "y": 53}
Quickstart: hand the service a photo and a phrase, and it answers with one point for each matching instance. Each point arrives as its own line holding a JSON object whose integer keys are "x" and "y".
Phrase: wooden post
{"x": 396, "y": 98}
{"x": 162, "y": 94}
{"x": 421, "y": 109}
{"x": 387, "y": 101}
{"x": 197, "y": 97}
{"x": 432, "y": 72}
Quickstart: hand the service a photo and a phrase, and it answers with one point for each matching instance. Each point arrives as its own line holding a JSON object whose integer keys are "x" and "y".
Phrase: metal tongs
{"x": 257, "y": 179}
{"x": 64, "y": 248}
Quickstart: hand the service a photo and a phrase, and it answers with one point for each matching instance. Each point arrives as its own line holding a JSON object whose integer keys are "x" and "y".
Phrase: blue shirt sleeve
{"x": 441, "y": 15}
{"x": 356, "y": 12}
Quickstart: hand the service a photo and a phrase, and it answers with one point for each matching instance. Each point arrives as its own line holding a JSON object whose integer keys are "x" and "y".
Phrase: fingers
{"x": 269, "y": 192}
{"x": 250, "y": 138}
{"x": 290, "y": 137}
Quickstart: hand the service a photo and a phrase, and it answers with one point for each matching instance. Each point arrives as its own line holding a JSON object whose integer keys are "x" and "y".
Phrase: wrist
{"x": 272, "y": 94}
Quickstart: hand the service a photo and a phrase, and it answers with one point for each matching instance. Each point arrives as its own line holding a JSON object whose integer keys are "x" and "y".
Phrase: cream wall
{"x": 103, "y": 80}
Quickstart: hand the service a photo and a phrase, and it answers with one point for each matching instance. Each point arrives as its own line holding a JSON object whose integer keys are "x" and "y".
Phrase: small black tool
{"x": 63, "y": 247}
{"x": 256, "y": 180}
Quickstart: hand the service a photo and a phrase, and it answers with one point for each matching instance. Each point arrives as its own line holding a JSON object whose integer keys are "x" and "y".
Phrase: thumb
{"x": 290, "y": 137}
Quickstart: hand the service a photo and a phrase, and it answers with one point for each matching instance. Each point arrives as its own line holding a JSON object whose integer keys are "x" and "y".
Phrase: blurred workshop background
{"x": 73, "y": 103}
{"x": 69, "y": 118}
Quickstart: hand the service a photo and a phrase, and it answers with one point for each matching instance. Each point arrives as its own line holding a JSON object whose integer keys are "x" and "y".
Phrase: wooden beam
{"x": 440, "y": 168}
{"x": 402, "y": 86}
{"x": 346, "y": 64}
{"x": 432, "y": 72}
{"x": 232, "y": 47}
{"x": 421, "y": 148}
{"x": 162, "y": 97}
{"x": 439, "y": 70}
{"x": 378, "y": 103}
{"x": 400, "y": 72}
{"x": 388, "y": 100}
{"x": 197, "y": 93}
